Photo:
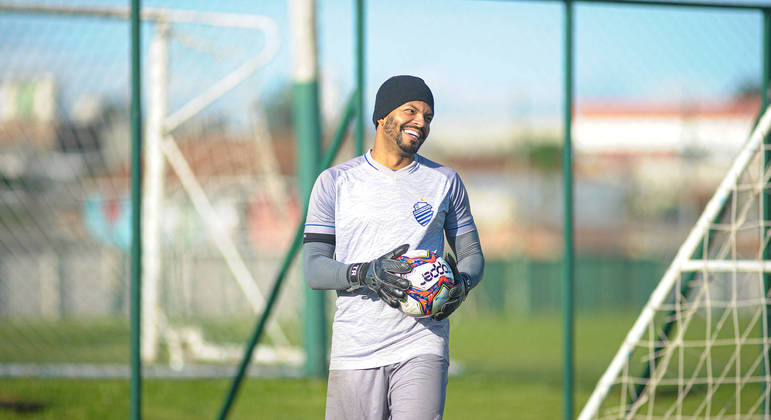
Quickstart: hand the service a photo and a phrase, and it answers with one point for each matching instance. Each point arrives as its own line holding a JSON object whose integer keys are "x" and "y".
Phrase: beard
{"x": 395, "y": 132}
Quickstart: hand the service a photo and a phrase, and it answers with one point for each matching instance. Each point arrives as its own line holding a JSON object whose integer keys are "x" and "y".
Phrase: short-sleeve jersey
{"x": 371, "y": 209}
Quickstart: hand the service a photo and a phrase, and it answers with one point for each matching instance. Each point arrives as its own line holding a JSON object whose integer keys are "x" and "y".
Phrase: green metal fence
{"x": 602, "y": 284}
{"x": 67, "y": 230}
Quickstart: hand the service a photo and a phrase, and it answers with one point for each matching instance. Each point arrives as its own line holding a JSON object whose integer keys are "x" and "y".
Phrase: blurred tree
{"x": 543, "y": 155}
{"x": 747, "y": 88}
{"x": 278, "y": 109}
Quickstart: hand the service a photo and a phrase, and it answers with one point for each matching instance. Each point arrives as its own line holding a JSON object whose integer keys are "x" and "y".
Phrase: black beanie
{"x": 398, "y": 90}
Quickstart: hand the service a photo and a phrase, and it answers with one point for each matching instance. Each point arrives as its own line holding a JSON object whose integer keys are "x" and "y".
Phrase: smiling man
{"x": 365, "y": 213}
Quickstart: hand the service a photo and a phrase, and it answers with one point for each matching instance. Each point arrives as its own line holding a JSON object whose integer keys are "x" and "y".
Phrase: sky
{"x": 492, "y": 65}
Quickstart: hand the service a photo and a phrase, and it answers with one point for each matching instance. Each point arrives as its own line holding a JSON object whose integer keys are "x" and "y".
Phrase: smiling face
{"x": 407, "y": 127}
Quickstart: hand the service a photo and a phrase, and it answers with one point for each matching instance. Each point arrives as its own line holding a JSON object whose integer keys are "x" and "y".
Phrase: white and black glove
{"x": 458, "y": 292}
{"x": 383, "y": 276}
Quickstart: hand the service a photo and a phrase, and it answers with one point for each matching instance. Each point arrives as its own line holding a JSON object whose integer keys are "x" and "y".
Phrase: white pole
{"x": 304, "y": 54}
{"x": 50, "y": 285}
{"x": 153, "y": 191}
{"x": 268, "y": 163}
{"x": 221, "y": 239}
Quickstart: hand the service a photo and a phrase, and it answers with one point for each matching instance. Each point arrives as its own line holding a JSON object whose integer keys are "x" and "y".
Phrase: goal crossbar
{"x": 231, "y": 20}
{"x": 727, "y": 266}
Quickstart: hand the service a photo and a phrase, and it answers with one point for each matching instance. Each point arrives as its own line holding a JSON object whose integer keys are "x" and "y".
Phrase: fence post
{"x": 308, "y": 152}
{"x": 567, "y": 176}
{"x": 136, "y": 207}
{"x": 360, "y": 91}
{"x": 764, "y": 83}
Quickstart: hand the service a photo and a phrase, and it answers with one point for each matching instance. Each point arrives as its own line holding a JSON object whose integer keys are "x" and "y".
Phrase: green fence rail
{"x": 327, "y": 159}
{"x": 523, "y": 286}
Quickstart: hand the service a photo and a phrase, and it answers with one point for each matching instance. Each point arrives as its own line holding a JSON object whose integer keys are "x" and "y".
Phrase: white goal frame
{"x": 160, "y": 147}
{"x": 684, "y": 262}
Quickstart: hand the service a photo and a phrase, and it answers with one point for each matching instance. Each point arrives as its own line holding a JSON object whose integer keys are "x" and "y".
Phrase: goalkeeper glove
{"x": 458, "y": 292}
{"x": 383, "y": 276}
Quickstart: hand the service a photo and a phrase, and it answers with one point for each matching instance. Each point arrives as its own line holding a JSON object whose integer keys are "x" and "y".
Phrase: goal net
{"x": 218, "y": 207}
{"x": 700, "y": 347}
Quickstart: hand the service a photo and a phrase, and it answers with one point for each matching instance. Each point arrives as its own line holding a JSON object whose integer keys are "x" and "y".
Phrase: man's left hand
{"x": 458, "y": 292}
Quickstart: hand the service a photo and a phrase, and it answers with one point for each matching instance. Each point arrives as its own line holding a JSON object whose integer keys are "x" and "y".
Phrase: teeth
{"x": 412, "y": 133}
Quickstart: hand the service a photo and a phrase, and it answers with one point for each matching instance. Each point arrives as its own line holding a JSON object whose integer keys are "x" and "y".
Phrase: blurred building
{"x": 716, "y": 129}
{"x": 27, "y": 109}
{"x": 642, "y": 174}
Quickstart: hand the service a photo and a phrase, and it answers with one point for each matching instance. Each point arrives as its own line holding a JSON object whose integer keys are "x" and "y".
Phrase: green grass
{"x": 511, "y": 368}
{"x": 64, "y": 341}
{"x": 163, "y": 399}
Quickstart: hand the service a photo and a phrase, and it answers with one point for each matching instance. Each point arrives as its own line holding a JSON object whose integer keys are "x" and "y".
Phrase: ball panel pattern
{"x": 430, "y": 282}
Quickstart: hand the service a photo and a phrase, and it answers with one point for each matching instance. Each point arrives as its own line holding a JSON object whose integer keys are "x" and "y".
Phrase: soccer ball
{"x": 430, "y": 282}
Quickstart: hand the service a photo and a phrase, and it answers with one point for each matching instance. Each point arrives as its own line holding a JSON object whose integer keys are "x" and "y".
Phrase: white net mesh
{"x": 700, "y": 349}
{"x": 219, "y": 206}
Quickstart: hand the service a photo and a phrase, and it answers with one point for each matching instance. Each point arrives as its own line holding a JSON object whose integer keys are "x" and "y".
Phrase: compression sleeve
{"x": 459, "y": 220}
{"x": 322, "y": 271}
{"x": 468, "y": 252}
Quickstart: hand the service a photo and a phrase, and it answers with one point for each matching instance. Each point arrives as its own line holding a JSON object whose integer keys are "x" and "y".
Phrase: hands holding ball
{"x": 419, "y": 282}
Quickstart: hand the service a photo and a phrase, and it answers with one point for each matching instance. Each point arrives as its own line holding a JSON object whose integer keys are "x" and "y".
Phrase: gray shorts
{"x": 414, "y": 389}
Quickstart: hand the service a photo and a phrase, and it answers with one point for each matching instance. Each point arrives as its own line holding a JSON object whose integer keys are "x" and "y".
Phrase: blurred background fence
{"x": 606, "y": 284}
{"x": 664, "y": 98}
{"x": 216, "y": 199}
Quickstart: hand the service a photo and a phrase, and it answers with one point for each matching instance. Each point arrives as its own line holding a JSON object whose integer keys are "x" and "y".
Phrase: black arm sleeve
{"x": 322, "y": 271}
{"x": 468, "y": 252}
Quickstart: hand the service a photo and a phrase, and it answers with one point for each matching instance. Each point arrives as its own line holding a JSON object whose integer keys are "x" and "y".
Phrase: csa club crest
{"x": 423, "y": 212}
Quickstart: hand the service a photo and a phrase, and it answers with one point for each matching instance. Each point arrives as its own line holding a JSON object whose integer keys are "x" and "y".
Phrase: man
{"x": 361, "y": 216}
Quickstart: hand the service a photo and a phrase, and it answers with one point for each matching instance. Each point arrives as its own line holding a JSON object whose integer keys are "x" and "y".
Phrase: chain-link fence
{"x": 219, "y": 203}
{"x": 664, "y": 97}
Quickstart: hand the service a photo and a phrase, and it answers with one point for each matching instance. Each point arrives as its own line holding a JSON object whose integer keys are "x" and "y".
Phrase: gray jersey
{"x": 371, "y": 209}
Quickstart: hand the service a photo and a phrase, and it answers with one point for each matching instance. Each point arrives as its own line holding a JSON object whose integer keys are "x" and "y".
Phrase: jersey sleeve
{"x": 459, "y": 219}
{"x": 320, "y": 220}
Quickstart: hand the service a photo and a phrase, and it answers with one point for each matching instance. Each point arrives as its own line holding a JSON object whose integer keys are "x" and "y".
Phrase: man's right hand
{"x": 383, "y": 275}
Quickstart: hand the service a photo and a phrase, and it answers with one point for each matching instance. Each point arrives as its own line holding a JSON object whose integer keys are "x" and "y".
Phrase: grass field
{"x": 511, "y": 368}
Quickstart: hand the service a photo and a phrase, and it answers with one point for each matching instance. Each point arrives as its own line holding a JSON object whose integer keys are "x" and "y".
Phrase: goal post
{"x": 213, "y": 192}
{"x": 714, "y": 299}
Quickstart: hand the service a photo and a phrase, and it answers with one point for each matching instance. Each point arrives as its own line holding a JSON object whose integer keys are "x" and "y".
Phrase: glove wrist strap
{"x": 356, "y": 273}
{"x": 466, "y": 279}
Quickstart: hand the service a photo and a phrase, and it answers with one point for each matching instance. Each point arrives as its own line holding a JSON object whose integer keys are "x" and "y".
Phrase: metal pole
{"x": 255, "y": 338}
{"x": 766, "y": 82}
{"x": 329, "y": 156}
{"x": 136, "y": 207}
{"x": 677, "y": 3}
{"x": 672, "y": 3}
{"x": 152, "y": 203}
{"x": 359, "y": 57}
{"x": 308, "y": 133}
{"x": 567, "y": 177}
{"x": 764, "y": 87}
